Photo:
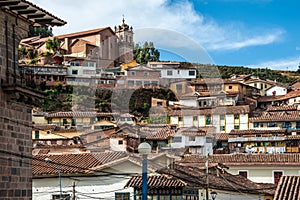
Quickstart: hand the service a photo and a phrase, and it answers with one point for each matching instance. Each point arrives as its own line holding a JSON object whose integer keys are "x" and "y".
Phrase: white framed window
{"x": 244, "y": 173}
{"x": 276, "y": 175}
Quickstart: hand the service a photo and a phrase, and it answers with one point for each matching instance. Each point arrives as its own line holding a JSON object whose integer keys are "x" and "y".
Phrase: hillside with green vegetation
{"x": 289, "y": 77}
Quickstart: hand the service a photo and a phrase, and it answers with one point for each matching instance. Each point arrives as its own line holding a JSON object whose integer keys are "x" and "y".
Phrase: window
{"x": 169, "y": 73}
{"x": 208, "y": 119}
{"x": 180, "y": 119}
{"x": 178, "y": 87}
{"x": 255, "y": 125}
{"x": 261, "y": 125}
{"x": 146, "y": 73}
{"x": 287, "y": 125}
{"x": 222, "y": 117}
{"x": 159, "y": 103}
{"x": 146, "y": 83}
{"x": 192, "y": 73}
{"x": 120, "y": 142}
{"x": 97, "y": 127}
{"x": 65, "y": 121}
{"x": 177, "y": 139}
{"x": 192, "y": 138}
{"x": 236, "y": 116}
{"x": 122, "y": 196}
{"x": 132, "y": 73}
{"x": 130, "y": 83}
{"x": 37, "y": 134}
{"x": 272, "y": 124}
{"x": 75, "y": 72}
{"x": 138, "y": 83}
{"x": 154, "y": 83}
{"x": 243, "y": 173}
{"x": 236, "y": 127}
{"x": 230, "y": 87}
{"x": 255, "y": 85}
{"x": 121, "y": 82}
{"x": 195, "y": 118}
{"x": 64, "y": 196}
{"x": 222, "y": 128}
{"x": 276, "y": 176}
{"x": 74, "y": 63}
{"x": 297, "y": 125}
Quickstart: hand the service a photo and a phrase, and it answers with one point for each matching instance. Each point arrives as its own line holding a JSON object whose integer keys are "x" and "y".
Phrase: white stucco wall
{"x": 263, "y": 174}
{"x": 85, "y": 187}
{"x": 279, "y": 91}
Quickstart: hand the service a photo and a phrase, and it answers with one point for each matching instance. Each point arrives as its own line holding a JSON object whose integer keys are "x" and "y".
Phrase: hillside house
{"x": 224, "y": 119}
{"x": 259, "y": 168}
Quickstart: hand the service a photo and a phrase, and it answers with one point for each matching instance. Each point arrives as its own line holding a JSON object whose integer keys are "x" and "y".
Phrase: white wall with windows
{"x": 223, "y": 123}
{"x": 178, "y": 73}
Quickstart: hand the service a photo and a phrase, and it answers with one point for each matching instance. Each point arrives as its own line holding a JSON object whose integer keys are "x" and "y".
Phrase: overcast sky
{"x": 258, "y": 33}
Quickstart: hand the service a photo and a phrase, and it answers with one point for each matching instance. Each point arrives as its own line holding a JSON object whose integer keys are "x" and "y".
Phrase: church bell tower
{"x": 124, "y": 34}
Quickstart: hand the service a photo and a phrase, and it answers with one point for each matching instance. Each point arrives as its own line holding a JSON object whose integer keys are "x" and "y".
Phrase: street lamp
{"x": 59, "y": 176}
{"x": 144, "y": 149}
{"x": 213, "y": 195}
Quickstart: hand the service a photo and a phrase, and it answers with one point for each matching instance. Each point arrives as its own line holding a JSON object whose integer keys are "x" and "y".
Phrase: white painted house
{"x": 195, "y": 139}
{"x": 88, "y": 175}
{"x": 276, "y": 90}
{"x": 259, "y": 168}
{"x": 172, "y": 71}
{"x": 224, "y": 119}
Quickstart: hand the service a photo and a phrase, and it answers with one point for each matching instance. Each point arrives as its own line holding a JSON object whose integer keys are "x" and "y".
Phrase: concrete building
{"x": 16, "y": 100}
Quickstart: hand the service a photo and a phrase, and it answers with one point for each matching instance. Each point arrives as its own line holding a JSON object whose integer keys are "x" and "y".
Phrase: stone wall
{"x": 15, "y": 116}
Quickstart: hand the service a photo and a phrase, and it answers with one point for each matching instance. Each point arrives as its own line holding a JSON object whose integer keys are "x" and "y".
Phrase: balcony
{"x": 256, "y": 139}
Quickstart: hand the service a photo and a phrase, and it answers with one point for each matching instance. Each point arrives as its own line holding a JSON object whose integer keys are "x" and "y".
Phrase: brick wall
{"x": 15, "y": 117}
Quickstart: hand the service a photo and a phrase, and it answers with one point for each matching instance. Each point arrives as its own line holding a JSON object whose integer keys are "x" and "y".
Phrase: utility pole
{"x": 73, "y": 190}
{"x": 206, "y": 174}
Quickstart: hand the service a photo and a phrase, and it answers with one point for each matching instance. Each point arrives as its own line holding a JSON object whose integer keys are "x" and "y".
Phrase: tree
{"x": 144, "y": 54}
{"x": 40, "y": 31}
{"x": 53, "y": 45}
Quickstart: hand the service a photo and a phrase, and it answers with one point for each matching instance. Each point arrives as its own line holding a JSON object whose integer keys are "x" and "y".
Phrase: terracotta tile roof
{"x": 281, "y": 108}
{"x": 72, "y": 163}
{"x": 271, "y": 98}
{"x": 161, "y": 133}
{"x": 140, "y": 68}
{"x": 222, "y": 136}
{"x": 192, "y": 131}
{"x": 79, "y": 114}
{"x": 290, "y": 159}
{"x": 243, "y": 109}
{"x": 296, "y": 85}
{"x": 218, "y": 179}
{"x": 207, "y": 81}
{"x": 256, "y": 131}
{"x": 289, "y": 95}
{"x": 288, "y": 115}
{"x": 164, "y": 63}
{"x": 288, "y": 188}
{"x": 155, "y": 181}
{"x": 292, "y": 137}
{"x": 51, "y": 127}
